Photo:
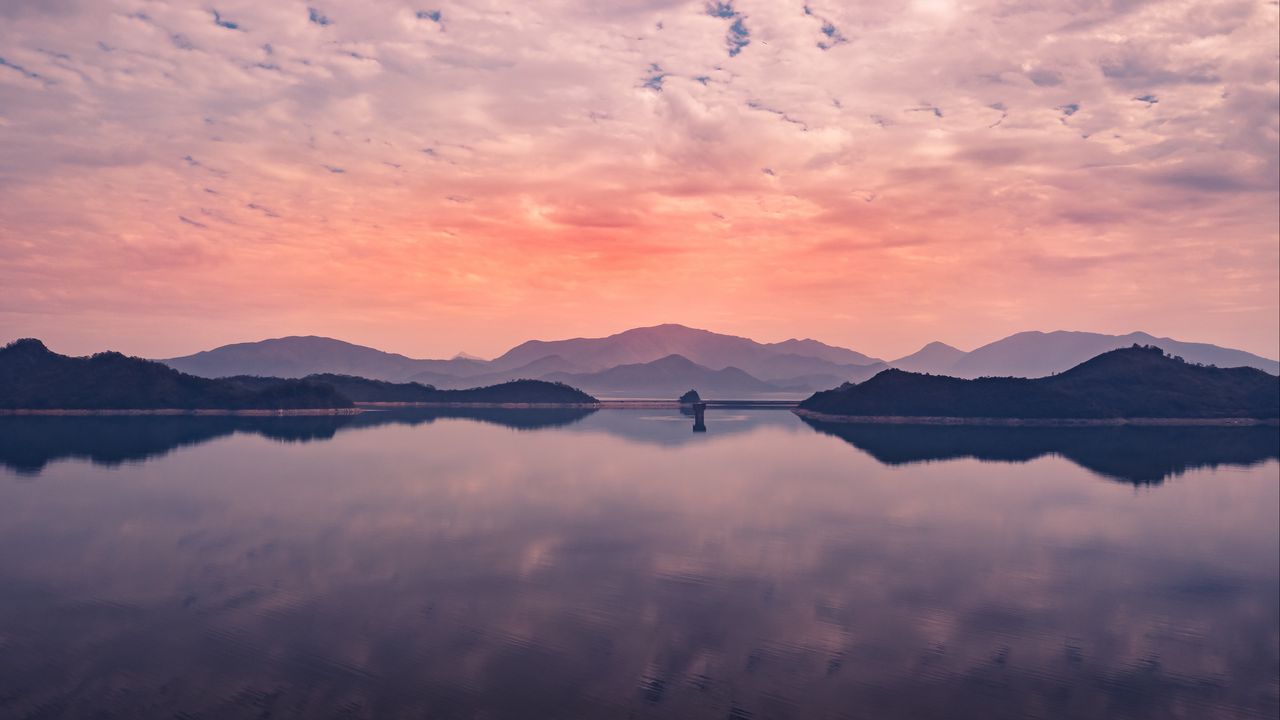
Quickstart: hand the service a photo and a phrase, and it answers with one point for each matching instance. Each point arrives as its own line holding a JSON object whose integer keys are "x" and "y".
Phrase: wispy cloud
{"x": 785, "y": 158}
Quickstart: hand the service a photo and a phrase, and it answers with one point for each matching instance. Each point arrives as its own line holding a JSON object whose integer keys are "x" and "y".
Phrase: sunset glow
{"x": 448, "y": 176}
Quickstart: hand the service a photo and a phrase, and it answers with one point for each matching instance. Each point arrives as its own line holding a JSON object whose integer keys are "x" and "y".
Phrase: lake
{"x": 616, "y": 564}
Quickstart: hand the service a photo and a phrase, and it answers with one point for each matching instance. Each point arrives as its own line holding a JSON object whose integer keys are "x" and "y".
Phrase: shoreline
{"x": 599, "y": 405}
{"x": 71, "y": 412}
{"x": 362, "y": 406}
{"x": 1032, "y": 422}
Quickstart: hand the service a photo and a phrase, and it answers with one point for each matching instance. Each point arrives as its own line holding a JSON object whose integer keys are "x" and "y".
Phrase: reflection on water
{"x": 1140, "y": 455}
{"x": 27, "y": 444}
{"x": 615, "y": 564}
{"x": 1136, "y": 454}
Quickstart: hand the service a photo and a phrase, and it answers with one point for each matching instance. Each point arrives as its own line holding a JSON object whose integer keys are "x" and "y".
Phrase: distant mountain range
{"x": 668, "y": 377}
{"x": 32, "y": 377}
{"x": 655, "y": 361}
{"x": 1130, "y": 383}
{"x": 1036, "y": 354}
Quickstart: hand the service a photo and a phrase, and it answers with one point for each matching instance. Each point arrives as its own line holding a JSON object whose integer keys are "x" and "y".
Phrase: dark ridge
{"x": 518, "y": 391}
{"x": 361, "y": 389}
{"x": 690, "y": 398}
{"x": 33, "y": 377}
{"x": 1137, "y": 455}
{"x": 364, "y": 390}
{"x": 1135, "y": 382}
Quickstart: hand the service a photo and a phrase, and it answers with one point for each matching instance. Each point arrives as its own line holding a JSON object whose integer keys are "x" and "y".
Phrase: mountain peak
{"x": 27, "y": 346}
{"x": 673, "y": 360}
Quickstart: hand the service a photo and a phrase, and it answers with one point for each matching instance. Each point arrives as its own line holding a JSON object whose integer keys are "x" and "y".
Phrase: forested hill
{"x": 515, "y": 392}
{"x": 33, "y": 377}
{"x": 1134, "y": 382}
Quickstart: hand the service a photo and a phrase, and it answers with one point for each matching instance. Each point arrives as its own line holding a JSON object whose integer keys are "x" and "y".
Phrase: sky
{"x": 433, "y": 177}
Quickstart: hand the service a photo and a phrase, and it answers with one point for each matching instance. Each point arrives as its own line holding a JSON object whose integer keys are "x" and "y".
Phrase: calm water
{"x": 532, "y": 564}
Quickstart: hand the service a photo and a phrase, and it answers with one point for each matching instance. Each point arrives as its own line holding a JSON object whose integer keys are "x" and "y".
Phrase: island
{"x": 364, "y": 391}
{"x": 36, "y": 380}
{"x": 690, "y": 398}
{"x": 1134, "y": 385}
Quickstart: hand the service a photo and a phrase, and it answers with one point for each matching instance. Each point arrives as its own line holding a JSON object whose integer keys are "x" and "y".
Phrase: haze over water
{"x": 615, "y": 564}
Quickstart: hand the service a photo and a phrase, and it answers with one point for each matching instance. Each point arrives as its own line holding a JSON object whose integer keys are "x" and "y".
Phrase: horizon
{"x": 446, "y": 177}
{"x": 490, "y": 357}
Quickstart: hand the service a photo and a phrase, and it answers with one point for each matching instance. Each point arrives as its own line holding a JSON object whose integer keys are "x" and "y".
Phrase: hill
{"x": 357, "y": 389}
{"x": 539, "y": 368}
{"x": 33, "y": 377}
{"x": 1038, "y": 354}
{"x": 800, "y": 365}
{"x": 364, "y": 390}
{"x": 936, "y": 357}
{"x": 706, "y": 348}
{"x": 667, "y": 377}
{"x": 296, "y": 357}
{"x": 1135, "y": 382}
{"x": 518, "y": 392}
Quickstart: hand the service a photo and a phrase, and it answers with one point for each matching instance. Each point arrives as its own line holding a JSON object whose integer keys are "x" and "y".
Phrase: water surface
{"x": 558, "y": 564}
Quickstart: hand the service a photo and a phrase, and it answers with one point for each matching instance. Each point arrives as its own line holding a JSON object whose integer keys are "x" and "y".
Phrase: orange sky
{"x": 874, "y": 175}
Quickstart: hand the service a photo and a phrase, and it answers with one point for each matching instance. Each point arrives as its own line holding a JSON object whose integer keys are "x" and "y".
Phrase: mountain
{"x": 794, "y": 364}
{"x": 667, "y": 377}
{"x": 33, "y": 377}
{"x": 515, "y": 392}
{"x": 936, "y": 357}
{"x": 1037, "y": 354}
{"x": 295, "y": 357}
{"x": 712, "y": 350}
{"x": 774, "y": 368}
{"x": 1134, "y": 382}
{"x": 813, "y": 348}
{"x": 364, "y": 390}
{"x": 358, "y": 389}
{"x": 539, "y": 368}
{"x": 806, "y": 364}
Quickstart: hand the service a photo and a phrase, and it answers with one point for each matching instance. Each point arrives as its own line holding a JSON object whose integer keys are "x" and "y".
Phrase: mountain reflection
{"x": 29, "y": 443}
{"x": 622, "y": 567}
{"x": 1134, "y": 454}
{"x": 1138, "y": 455}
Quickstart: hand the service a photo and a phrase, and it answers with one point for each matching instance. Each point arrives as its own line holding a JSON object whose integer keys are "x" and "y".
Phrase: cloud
{"x": 223, "y": 22}
{"x": 591, "y": 144}
{"x": 318, "y": 17}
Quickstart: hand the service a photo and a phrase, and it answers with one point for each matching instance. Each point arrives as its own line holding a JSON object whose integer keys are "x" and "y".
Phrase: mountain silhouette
{"x": 936, "y": 358}
{"x": 713, "y": 350}
{"x": 805, "y": 365}
{"x": 1037, "y": 354}
{"x": 299, "y": 356}
{"x": 33, "y": 377}
{"x": 1136, "y": 382}
{"x": 668, "y": 377}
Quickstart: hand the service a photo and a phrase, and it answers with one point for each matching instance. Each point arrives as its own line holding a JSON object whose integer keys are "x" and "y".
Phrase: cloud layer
{"x": 429, "y": 177}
